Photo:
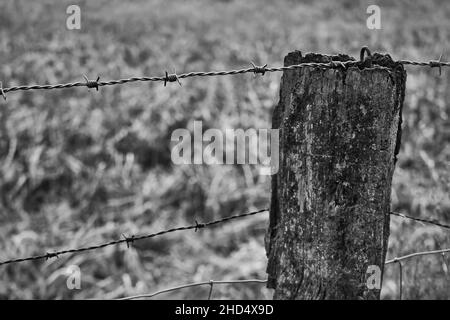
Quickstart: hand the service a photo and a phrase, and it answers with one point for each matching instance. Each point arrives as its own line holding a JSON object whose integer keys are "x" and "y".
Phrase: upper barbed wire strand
{"x": 254, "y": 69}
{"x": 432, "y": 64}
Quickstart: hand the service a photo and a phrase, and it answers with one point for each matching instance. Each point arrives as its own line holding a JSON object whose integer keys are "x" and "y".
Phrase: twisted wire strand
{"x": 190, "y": 285}
{"x": 436, "y": 223}
{"x": 417, "y": 254}
{"x": 432, "y": 64}
{"x": 254, "y": 69}
{"x": 130, "y": 240}
{"x": 211, "y": 282}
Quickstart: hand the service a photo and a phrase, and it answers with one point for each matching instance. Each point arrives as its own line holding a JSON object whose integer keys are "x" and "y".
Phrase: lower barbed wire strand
{"x": 210, "y": 282}
{"x": 417, "y": 254}
{"x": 195, "y": 284}
{"x": 195, "y": 227}
{"x": 134, "y": 238}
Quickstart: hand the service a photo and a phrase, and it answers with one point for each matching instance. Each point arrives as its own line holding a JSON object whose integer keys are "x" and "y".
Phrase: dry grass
{"x": 81, "y": 167}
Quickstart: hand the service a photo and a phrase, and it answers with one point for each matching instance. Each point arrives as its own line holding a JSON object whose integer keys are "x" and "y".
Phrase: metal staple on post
{"x": 365, "y": 50}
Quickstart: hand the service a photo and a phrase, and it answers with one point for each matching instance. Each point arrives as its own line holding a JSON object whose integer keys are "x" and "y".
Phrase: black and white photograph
{"x": 218, "y": 156}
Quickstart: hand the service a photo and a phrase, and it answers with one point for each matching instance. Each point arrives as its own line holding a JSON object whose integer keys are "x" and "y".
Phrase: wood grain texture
{"x": 329, "y": 219}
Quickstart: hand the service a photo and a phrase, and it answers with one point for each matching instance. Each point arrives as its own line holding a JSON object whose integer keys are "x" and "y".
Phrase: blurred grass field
{"x": 82, "y": 167}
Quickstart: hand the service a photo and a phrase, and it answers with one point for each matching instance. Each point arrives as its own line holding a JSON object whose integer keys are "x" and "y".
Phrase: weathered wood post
{"x": 329, "y": 216}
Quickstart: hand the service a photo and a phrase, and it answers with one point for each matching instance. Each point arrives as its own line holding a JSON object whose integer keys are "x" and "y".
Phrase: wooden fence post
{"x": 340, "y": 131}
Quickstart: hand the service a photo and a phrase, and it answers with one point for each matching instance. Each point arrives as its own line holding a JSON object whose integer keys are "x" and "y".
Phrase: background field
{"x": 81, "y": 167}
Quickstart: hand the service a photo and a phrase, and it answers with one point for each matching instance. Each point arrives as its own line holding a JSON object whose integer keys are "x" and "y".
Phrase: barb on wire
{"x": 259, "y": 69}
{"x": 195, "y": 227}
{"x": 171, "y": 78}
{"x": 131, "y": 239}
{"x": 366, "y": 60}
{"x": 436, "y": 223}
{"x": 432, "y": 64}
{"x": 2, "y": 92}
{"x": 128, "y": 240}
{"x": 91, "y": 83}
{"x": 190, "y": 285}
{"x": 49, "y": 255}
{"x": 198, "y": 225}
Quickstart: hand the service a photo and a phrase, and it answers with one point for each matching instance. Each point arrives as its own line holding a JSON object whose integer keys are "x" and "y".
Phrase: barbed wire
{"x": 409, "y": 256}
{"x": 174, "y": 77}
{"x": 416, "y": 254}
{"x": 210, "y": 283}
{"x": 433, "y": 64}
{"x": 89, "y": 83}
{"x": 436, "y": 223}
{"x": 254, "y": 69}
{"x": 196, "y": 226}
{"x": 130, "y": 240}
